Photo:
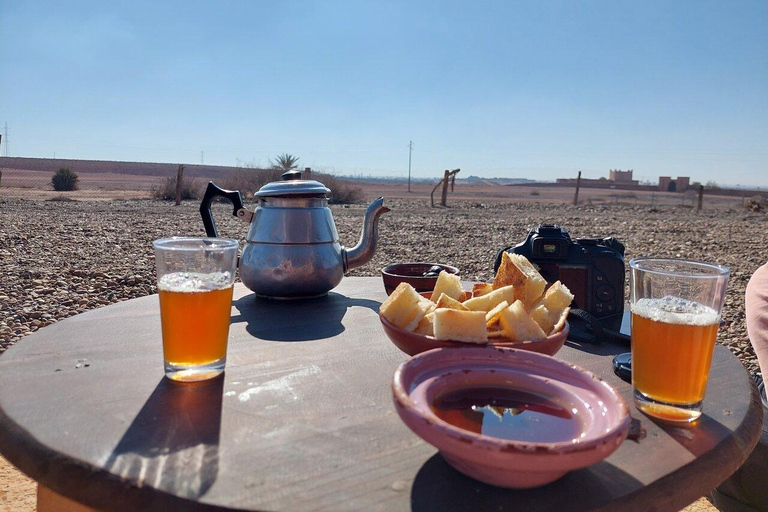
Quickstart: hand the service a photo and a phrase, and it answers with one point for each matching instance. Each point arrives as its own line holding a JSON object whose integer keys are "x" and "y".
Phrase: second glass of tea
{"x": 676, "y": 306}
{"x": 195, "y": 279}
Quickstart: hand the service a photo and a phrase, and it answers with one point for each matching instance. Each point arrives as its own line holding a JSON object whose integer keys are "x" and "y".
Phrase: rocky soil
{"x": 60, "y": 258}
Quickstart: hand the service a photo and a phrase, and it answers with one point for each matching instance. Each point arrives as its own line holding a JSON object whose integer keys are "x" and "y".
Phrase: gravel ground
{"x": 60, "y": 258}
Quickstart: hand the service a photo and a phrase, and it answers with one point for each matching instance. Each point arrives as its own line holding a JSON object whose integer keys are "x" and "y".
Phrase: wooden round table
{"x": 303, "y": 420}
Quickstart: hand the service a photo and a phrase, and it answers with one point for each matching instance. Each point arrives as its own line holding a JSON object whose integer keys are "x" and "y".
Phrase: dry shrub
{"x": 342, "y": 192}
{"x": 249, "y": 181}
{"x": 65, "y": 180}
{"x": 756, "y": 203}
{"x": 190, "y": 189}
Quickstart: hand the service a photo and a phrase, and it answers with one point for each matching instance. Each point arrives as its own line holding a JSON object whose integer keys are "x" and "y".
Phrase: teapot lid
{"x": 292, "y": 185}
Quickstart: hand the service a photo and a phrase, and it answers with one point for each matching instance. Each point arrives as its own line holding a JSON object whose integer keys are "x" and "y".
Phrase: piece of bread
{"x": 557, "y": 298}
{"x": 546, "y": 320}
{"x": 480, "y": 289}
{"x": 518, "y": 325}
{"x": 449, "y": 284}
{"x": 492, "y": 317}
{"x": 517, "y": 271}
{"x": 426, "y": 325}
{"x": 447, "y": 302}
{"x": 405, "y": 307}
{"x": 560, "y": 321}
{"x": 489, "y": 301}
{"x": 468, "y": 326}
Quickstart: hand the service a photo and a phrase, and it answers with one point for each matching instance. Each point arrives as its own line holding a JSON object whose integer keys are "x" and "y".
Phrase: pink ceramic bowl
{"x": 600, "y": 416}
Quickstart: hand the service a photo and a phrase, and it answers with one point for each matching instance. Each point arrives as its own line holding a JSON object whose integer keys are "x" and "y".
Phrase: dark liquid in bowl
{"x": 508, "y": 413}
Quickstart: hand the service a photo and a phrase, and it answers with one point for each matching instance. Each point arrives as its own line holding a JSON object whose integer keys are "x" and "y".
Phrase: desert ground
{"x": 65, "y": 253}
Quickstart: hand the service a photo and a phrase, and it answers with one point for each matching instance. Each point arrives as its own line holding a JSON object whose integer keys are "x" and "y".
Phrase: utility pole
{"x": 6, "y": 140}
{"x": 410, "y": 150}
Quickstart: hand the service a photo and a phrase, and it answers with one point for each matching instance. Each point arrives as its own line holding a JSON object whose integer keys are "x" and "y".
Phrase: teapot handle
{"x": 234, "y": 196}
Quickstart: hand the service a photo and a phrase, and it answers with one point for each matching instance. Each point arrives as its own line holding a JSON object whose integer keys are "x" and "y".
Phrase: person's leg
{"x": 747, "y": 489}
{"x": 756, "y": 305}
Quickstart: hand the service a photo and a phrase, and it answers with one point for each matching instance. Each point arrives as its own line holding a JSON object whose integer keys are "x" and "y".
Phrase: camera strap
{"x": 584, "y": 327}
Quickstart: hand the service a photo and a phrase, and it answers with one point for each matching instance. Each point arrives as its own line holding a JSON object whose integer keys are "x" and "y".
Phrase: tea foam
{"x": 674, "y": 310}
{"x": 194, "y": 282}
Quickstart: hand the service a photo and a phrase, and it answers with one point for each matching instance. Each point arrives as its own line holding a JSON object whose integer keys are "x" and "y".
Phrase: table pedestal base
{"x": 49, "y": 501}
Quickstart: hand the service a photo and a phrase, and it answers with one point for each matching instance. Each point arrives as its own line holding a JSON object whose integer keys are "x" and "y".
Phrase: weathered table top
{"x": 303, "y": 420}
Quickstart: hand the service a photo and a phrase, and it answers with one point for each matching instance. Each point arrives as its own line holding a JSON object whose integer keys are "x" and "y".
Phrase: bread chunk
{"x": 405, "y": 307}
{"x": 489, "y": 301}
{"x": 479, "y": 289}
{"x": 557, "y": 298}
{"x": 518, "y": 326}
{"x": 561, "y": 321}
{"x": 492, "y": 317}
{"x": 426, "y": 325}
{"x": 544, "y": 317}
{"x": 449, "y": 284}
{"x": 447, "y": 302}
{"x": 517, "y": 271}
{"x": 469, "y": 326}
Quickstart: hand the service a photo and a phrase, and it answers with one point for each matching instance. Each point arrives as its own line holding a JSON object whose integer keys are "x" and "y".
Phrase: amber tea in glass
{"x": 195, "y": 278}
{"x": 676, "y": 308}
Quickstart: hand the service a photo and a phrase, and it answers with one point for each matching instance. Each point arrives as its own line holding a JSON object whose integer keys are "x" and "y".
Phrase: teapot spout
{"x": 366, "y": 247}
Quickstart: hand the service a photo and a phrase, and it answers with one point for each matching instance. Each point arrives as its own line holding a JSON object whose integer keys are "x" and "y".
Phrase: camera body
{"x": 592, "y": 268}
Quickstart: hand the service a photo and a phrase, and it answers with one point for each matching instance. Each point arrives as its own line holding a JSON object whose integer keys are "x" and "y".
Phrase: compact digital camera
{"x": 592, "y": 268}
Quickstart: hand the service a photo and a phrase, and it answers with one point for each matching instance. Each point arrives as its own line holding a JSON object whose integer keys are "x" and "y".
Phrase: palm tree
{"x": 285, "y": 162}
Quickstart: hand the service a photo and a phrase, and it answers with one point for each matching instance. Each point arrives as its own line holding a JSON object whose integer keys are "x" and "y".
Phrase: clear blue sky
{"x": 518, "y": 89}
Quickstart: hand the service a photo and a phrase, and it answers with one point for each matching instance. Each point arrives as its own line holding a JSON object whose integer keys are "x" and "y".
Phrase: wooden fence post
{"x": 179, "y": 175}
{"x": 444, "y": 197}
{"x": 576, "y": 196}
{"x": 432, "y": 194}
{"x": 701, "y": 198}
{"x": 449, "y": 176}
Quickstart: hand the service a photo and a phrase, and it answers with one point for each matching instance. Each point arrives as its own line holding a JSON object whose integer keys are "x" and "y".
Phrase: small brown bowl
{"x": 413, "y": 274}
{"x": 413, "y": 343}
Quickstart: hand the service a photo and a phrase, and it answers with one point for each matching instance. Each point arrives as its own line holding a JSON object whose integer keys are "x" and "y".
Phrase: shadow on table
{"x": 297, "y": 320}
{"x": 698, "y": 438}
{"x": 173, "y": 443}
{"x": 602, "y": 348}
{"x": 439, "y": 487}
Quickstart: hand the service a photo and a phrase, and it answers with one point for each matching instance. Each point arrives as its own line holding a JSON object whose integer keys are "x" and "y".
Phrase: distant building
{"x": 619, "y": 179}
{"x": 619, "y": 175}
{"x": 616, "y": 177}
{"x": 681, "y": 184}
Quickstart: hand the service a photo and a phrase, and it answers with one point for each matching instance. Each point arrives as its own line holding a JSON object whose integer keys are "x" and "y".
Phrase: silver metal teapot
{"x": 292, "y": 250}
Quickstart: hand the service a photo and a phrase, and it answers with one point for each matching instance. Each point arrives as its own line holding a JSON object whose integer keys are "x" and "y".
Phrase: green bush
{"x": 64, "y": 180}
{"x": 190, "y": 189}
